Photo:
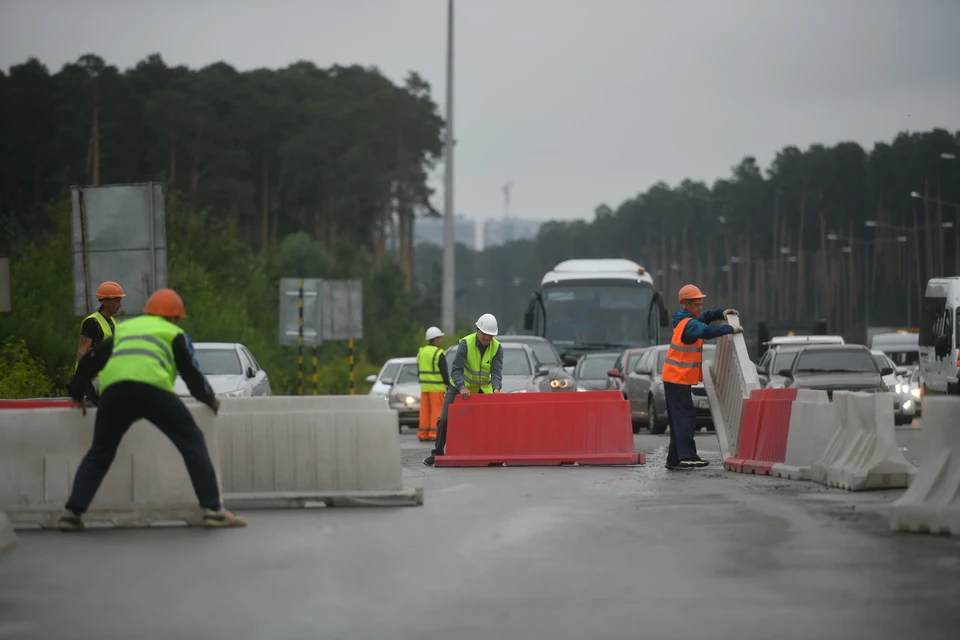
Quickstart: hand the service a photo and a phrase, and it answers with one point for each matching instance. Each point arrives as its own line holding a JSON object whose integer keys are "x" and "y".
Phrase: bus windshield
{"x": 601, "y": 315}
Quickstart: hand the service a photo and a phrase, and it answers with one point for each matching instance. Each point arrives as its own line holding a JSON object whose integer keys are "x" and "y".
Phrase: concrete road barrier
{"x": 290, "y": 451}
{"x": 8, "y": 537}
{"x": 813, "y": 423}
{"x": 932, "y": 503}
{"x": 863, "y": 454}
{"x": 40, "y": 450}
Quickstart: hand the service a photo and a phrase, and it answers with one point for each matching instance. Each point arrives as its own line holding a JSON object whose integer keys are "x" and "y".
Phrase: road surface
{"x": 502, "y": 553}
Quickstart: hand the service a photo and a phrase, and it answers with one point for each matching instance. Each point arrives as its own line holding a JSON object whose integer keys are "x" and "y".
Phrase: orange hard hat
{"x": 110, "y": 289}
{"x": 690, "y": 292}
{"x": 166, "y": 303}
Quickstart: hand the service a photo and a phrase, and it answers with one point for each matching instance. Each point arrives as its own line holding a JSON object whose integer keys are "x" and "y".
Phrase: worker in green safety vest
{"x": 434, "y": 379}
{"x": 98, "y": 326}
{"x": 477, "y": 368}
{"x": 138, "y": 366}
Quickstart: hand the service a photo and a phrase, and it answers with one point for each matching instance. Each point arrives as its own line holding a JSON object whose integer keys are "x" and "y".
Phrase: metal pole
{"x": 300, "y": 341}
{"x": 350, "y": 347}
{"x": 315, "y": 389}
{"x": 909, "y": 299}
{"x": 447, "y": 303}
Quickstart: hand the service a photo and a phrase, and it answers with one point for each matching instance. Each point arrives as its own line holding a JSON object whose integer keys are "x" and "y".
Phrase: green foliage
{"x": 22, "y": 375}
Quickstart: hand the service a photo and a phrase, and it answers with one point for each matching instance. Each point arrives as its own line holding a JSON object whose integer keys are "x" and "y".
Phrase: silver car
{"x": 644, "y": 388}
{"x": 404, "y": 393}
{"x": 231, "y": 370}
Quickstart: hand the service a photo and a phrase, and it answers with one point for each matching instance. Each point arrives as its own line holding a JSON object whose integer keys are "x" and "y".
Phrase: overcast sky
{"x": 577, "y": 102}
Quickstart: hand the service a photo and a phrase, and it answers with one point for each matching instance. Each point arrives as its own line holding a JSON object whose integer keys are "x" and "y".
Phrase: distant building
{"x": 430, "y": 231}
{"x": 504, "y": 230}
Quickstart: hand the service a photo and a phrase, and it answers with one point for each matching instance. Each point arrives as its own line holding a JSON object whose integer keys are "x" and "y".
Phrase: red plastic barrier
{"x": 39, "y": 403}
{"x": 540, "y": 429}
{"x": 763, "y": 431}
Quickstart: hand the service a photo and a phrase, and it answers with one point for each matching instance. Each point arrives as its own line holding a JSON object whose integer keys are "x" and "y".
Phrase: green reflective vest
{"x": 105, "y": 325}
{"x": 142, "y": 352}
{"x": 476, "y": 372}
{"x": 428, "y": 369}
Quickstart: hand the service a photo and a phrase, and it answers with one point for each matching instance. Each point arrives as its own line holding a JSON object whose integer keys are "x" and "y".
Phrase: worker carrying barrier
{"x": 8, "y": 537}
{"x": 932, "y": 503}
{"x": 765, "y": 432}
{"x": 281, "y": 451}
{"x": 863, "y": 453}
{"x": 40, "y": 450}
{"x": 540, "y": 429}
{"x": 729, "y": 379}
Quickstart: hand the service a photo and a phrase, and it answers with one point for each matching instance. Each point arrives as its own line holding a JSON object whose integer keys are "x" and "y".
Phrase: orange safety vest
{"x": 684, "y": 361}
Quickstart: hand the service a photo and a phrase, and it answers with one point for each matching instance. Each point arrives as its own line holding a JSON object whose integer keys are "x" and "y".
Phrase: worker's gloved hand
{"x": 83, "y": 404}
{"x": 215, "y": 406}
{"x": 728, "y": 312}
{"x": 496, "y": 390}
{"x": 465, "y": 393}
{"x": 738, "y": 329}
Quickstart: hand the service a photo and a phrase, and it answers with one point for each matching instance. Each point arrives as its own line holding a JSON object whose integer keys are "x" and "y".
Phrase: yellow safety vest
{"x": 142, "y": 352}
{"x": 428, "y": 369}
{"x": 476, "y": 372}
{"x": 105, "y": 325}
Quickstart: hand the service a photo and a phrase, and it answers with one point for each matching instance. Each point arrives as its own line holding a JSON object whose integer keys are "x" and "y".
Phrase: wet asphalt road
{"x": 527, "y": 553}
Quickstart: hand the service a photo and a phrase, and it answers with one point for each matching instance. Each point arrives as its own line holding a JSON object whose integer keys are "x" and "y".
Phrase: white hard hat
{"x": 433, "y": 332}
{"x": 488, "y": 324}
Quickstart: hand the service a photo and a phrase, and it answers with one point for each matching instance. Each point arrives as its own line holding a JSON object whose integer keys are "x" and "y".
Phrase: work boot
{"x": 221, "y": 518}
{"x": 428, "y": 461}
{"x": 71, "y": 522}
{"x": 692, "y": 463}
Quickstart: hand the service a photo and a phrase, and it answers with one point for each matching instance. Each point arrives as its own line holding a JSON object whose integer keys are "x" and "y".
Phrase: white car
{"x": 231, "y": 370}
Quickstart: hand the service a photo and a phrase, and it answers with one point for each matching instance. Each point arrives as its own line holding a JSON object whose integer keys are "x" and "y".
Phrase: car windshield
{"x": 408, "y": 374}
{"x": 904, "y": 358}
{"x": 836, "y": 361}
{"x": 883, "y": 361}
{"x": 516, "y": 363}
{"x": 389, "y": 370}
{"x": 218, "y": 362}
{"x": 709, "y": 350}
{"x": 545, "y": 353}
{"x": 596, "y": 367}
{"x": 783, "y": 358}
{"x": 588, "y": 313}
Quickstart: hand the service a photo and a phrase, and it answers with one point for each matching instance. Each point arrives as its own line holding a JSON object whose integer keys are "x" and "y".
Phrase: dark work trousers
{"x": 682, "y": 416}
{"x": 448, "y": 398}
{"x": 120, "y": 406}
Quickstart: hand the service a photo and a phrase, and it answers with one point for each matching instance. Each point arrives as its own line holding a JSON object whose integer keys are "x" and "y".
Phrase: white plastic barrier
{"x": 813, "y": 423}
{"x": 289, "y": 451}
{"x": 863, "y": 453}
{"x": 40, "y": 450}
{"x": 8, "y": 537}
{"x": 729, "y": 378}
{"x": 932, "y": 503}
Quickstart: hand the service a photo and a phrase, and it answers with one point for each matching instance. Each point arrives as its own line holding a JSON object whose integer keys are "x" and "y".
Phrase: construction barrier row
{"x": 269, "y": 452}
{"x": 729, "y": 380}
{"x": 8, "y": 537}
{"x": 540, "y": 429}
{"x": 932, "y": 503}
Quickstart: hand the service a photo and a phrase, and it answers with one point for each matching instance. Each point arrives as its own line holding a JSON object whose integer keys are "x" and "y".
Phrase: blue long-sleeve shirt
{"x": 700, "y": 328}
{"x": 460, "y": 360}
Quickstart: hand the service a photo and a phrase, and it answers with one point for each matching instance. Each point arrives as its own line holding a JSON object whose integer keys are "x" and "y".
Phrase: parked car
{"x": 836, "y": 367}
{"x": 644, "y": 389}
{"x": 617, "y": 376}
{"x": 231, "y": 370}
{"x": 555, "y": 380}
{"x": 593, "y": 370}
{"x": 541, "y": 347}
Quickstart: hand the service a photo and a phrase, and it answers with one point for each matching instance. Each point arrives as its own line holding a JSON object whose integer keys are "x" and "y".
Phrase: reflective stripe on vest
{"x": 428, "y": 369}
{"x": 684, "y": 362}
{"x": 476, "y": 371}
{"x": 105, "y": 327}
{"x": 142, "y": 352}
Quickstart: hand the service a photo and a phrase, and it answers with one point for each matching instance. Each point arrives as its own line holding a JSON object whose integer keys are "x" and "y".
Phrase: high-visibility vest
{"x": 476, "y": 372}
{"x": 428, "y": 369}
{"x": 684, "y": 361}
{"x": 142, "y": 352}
{"x": 105, "y": 325}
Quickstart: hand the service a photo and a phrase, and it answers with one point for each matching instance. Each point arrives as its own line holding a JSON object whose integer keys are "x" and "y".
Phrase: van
{"x": 903, "y": 347}
{"x": 938, "y": 335}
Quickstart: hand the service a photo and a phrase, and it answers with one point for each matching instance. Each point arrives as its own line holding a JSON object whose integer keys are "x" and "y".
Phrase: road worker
{"x": 137, "y": 367}
{"x": 434, "y": 381}
{"x": 97, "y": 327}
{"x": 683, "y": 369}
{"x": 477, "y": 368}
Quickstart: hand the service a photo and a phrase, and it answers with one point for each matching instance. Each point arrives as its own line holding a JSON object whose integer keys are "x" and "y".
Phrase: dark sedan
{"x": 835, "y": 367}
{"x": 593, "y": 370}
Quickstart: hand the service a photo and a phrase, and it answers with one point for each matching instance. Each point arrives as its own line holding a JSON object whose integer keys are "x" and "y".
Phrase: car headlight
{"x": 916, "y": 393}
{"x": 231, "y": 394}
{"x": 907, "y": 405}
{"x": 899, "y": 388}
{"x": 406, "y": 398}
{"x": 582, "y": 389}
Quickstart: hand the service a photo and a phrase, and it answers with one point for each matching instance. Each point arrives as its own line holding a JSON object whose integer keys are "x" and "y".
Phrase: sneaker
{"x": 691, "y": 464}
{"x": 222, "y": 518}
{"x": 71, "y": 522}
{"x": 428, "y": 461}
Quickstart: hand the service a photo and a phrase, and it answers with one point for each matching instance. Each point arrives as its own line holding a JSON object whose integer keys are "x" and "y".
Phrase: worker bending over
{"x": 477, "y": 368}
{"x": 434, "y": 381}
{"x": 683, "y": 369}
{"x": 139, "y": 365}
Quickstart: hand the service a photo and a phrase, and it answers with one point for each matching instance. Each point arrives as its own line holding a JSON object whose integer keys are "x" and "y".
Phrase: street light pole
{"x": 447, "y": 303}
{"x": 866, "y": 283}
